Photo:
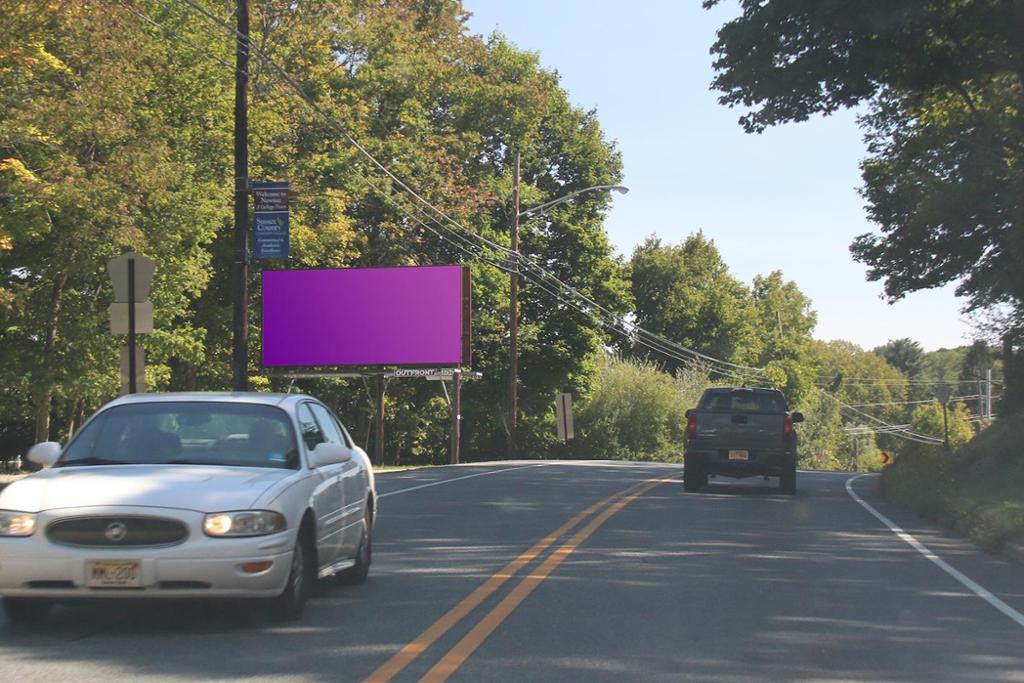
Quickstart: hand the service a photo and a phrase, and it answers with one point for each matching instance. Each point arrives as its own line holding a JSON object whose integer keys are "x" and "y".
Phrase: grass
{"x": 977, "y": 489}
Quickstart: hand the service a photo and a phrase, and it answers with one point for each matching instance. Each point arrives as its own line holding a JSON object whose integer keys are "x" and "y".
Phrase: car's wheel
{"x": 27, "y": 611}
{"x": 288, "y": 606}
{"x": 358, "y": 572}
{"x": 693, "y": 477}
{"x": 787, "y": 482}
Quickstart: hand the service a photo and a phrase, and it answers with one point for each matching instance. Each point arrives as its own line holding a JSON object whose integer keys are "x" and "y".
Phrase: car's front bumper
{"x": 199, "y": 567}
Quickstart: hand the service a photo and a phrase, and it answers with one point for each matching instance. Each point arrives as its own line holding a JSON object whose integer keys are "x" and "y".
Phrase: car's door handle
{"x": 739, "y": 419}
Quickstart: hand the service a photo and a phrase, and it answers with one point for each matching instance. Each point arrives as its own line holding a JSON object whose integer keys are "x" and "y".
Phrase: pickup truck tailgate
{"x": 721, "y": 430}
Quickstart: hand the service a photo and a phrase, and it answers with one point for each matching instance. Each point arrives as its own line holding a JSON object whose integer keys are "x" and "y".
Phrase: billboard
{"x": 360, "y": 317}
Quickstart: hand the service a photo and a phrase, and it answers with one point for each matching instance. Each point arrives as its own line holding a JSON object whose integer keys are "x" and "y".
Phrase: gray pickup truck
{"x": 740, "y": 432}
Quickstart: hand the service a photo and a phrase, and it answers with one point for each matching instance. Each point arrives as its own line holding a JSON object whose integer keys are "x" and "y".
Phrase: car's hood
{"x": 204, "y": 488}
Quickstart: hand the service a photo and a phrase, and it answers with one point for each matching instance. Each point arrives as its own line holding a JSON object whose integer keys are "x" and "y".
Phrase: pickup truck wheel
{"x": 693, "y": 478}
{"x": 787, "y": 482}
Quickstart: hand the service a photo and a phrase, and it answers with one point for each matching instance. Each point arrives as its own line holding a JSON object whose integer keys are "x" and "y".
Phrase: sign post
{"x": 563, "y": 416}
{"x": 131, "y": 275}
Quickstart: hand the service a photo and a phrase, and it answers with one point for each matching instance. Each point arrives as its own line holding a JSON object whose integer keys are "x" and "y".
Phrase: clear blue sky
{"x": 786, "y": 199}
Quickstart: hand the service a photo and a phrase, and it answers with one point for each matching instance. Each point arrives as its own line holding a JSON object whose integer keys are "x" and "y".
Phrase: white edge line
{"x": 449, "y": 481}
{"x": 978, "y": 590}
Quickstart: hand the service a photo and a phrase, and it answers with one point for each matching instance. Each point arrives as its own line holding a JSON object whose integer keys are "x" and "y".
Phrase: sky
{"x": 783, "y": 200}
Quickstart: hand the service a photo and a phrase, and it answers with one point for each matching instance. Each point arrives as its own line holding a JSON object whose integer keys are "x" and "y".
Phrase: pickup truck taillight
{"x": 787, "y": 427}
{"x": 691, "y": 427}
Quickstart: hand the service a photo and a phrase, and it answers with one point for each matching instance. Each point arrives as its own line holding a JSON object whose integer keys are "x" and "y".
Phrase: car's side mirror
{"x": 45, "y": 453}
{"x": 328, "y": 454}
{"x": 798, "y": 417}
{"x": 689, "y": 411}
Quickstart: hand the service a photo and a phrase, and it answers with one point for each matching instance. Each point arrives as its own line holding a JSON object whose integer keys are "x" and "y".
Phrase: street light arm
{"x": 572, "y": 195}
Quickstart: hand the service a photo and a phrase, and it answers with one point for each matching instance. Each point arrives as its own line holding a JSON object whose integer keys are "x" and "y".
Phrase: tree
{"x": 785, "y": 319}
{"x": 945, "y": 92}
{"x": 906, "y": 355}
{"x": 686, "y": 294}
{"x": 928, "y": 419}
{"x": 116, "y": 135}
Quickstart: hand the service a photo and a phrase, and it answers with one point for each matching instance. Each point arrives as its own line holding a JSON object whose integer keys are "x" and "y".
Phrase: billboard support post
{"x": 456, "y": 407}
{"x": 378, "y": 442}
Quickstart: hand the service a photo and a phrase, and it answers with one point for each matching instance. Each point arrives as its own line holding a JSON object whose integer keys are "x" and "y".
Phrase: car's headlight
{"x": 17, "y": 523}
{"x": 243, "y": 523}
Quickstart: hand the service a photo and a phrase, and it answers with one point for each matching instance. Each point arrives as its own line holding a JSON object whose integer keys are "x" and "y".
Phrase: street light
{"x": 543, "y": 208}
{"x": 513, "y": 314}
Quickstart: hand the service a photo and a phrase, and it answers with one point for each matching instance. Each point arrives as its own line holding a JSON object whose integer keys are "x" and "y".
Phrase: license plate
{"x": 114, "y": 574}
{"x": 739, "y": 455}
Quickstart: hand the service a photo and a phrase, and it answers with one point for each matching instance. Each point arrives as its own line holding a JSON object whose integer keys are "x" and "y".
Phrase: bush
{"x": 637, "y": 412}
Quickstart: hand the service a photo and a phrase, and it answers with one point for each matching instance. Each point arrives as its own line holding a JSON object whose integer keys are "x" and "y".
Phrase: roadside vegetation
{"x": 976, "y": 488}
{"x": 116, "y": 134}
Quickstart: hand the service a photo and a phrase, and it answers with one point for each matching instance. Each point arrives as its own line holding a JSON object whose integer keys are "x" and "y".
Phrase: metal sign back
{"x": 143, "y": 317}
{"x": 118, "y": 270}
{"x": 563, "y": 416}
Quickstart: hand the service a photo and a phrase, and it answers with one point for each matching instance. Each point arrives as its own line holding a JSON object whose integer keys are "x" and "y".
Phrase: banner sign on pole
{"x": 270, "y": 236}
{"x": 270, "y": 197}
{"x": 270, "y": 220}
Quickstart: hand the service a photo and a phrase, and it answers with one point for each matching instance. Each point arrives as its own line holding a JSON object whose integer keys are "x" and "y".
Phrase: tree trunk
{"x": 46, "y": 381}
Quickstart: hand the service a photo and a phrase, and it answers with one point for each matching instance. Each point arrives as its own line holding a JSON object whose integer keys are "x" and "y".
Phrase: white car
{"x": 199, "y": 495}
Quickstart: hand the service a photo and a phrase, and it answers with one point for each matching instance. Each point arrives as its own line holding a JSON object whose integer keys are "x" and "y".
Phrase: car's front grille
{"x": 117, "y": 531}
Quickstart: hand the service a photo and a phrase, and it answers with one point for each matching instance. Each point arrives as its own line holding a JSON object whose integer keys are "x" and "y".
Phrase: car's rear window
{"x": 187, "y": 432}
{"x": 741, "y": 401}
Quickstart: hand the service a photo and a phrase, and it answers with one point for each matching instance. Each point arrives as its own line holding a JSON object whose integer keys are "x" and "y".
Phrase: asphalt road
{"x": 589, "y": 572}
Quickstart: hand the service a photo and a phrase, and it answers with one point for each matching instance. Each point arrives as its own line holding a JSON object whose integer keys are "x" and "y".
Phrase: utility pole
{"x": 945, "y": 425}
{"x": 513, "y": 320}
{"x": 240, "y": 266}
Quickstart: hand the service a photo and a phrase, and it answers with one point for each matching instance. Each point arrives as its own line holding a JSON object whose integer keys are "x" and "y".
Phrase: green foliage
{"x": 637, "y": 412}
{"x": 906, "y": 355}
{"x": 686, "y": 293}
{"x": 927, "y": 419}
{"x": 117, "y": 134}
{"x": 945, "y": 92}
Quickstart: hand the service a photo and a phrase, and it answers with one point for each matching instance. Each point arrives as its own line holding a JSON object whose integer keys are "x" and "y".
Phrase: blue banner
{"x": 270, "y": 235}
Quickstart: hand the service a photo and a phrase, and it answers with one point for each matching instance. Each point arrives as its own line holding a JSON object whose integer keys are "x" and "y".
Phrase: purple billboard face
{"x": 366, "y": 317}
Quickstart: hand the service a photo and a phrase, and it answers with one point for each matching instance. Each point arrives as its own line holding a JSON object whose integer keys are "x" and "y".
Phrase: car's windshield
{"x": 186, "y": 433}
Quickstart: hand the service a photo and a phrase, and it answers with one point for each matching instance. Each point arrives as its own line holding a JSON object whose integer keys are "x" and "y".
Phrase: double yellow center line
{"x": 479, "y": 633}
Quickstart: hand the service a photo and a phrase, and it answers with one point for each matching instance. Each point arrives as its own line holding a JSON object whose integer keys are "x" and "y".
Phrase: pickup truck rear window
{"x": 744, "y": 402}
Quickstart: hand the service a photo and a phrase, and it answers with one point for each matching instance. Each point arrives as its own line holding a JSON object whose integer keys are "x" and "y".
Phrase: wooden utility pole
{"x": 240, "y": 266}
{"x": 513, "y": 320}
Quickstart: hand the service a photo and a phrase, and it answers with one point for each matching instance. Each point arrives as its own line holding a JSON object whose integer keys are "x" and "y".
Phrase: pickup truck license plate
{"x": 739, "y": 455}
{"x": 113, "y": 573}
